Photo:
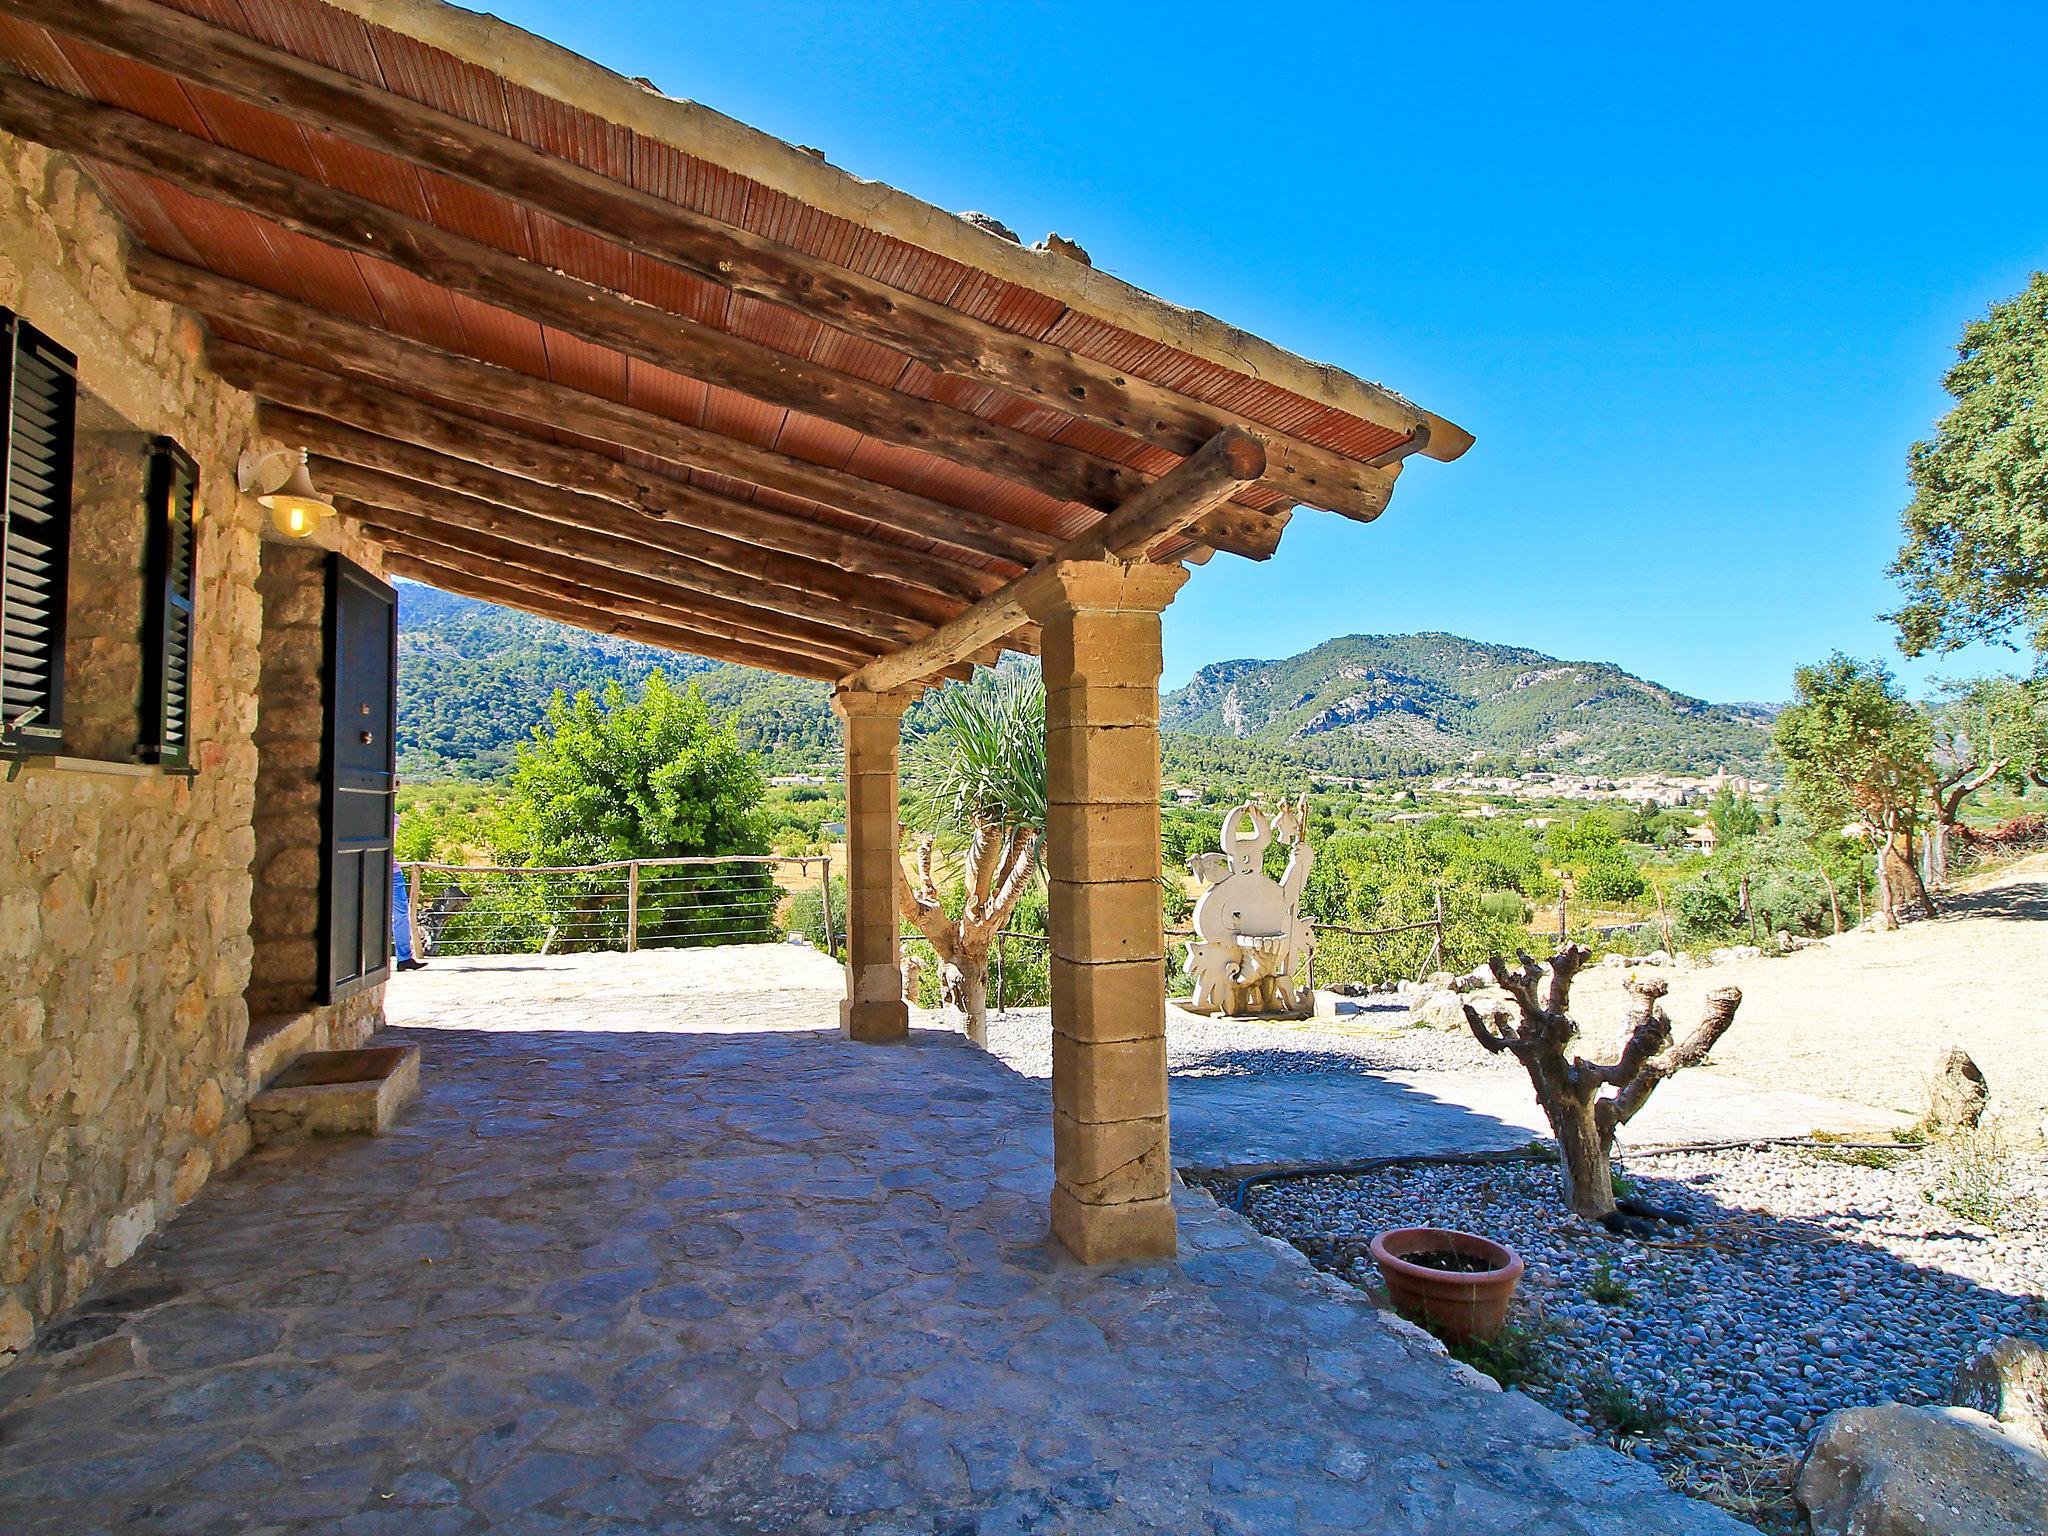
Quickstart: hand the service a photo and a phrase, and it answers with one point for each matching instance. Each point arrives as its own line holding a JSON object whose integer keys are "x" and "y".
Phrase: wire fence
{"x": 1019, "y": 973}
{"x": 632, "y": 904}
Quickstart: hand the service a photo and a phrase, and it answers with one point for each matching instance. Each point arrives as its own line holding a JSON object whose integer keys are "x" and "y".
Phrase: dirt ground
{"x": 1866, "y": 1016}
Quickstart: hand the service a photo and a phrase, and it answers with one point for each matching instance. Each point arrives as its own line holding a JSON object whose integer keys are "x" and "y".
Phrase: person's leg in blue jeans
{"x": 401, "y": 922}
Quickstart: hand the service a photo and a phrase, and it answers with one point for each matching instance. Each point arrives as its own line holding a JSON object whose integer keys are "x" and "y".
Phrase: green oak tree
{"x": 655, "y": 776}
{"x": 1974, "y": 564}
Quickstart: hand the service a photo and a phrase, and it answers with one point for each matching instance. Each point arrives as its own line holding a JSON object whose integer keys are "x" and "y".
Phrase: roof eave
{"x": 501, "y": 48}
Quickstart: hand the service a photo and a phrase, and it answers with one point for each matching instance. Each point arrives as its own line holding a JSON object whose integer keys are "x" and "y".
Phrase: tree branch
{"x": 1564, "y": 965}
{"x": 1714, "y": 1021}
{"x": 1646, "y": 1031}
{"x": 1520, "y": 985}
{"x": 1491, "y": 1035}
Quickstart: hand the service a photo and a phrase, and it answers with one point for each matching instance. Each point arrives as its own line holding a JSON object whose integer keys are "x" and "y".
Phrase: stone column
{"x": 873, "y": 1008}
{"x": 1101, "y": 661}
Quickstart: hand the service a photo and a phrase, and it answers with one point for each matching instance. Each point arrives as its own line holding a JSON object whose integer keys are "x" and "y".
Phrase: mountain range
{"x": 474, "y": 679}
{"x": 1443, "y": 699}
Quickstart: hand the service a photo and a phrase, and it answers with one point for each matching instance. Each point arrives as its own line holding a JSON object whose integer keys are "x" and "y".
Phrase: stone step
{"x": 337, "y": 1093}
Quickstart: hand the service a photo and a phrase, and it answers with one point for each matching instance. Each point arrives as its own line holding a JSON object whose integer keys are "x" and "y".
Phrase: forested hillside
{"x": 1370, "y": 703}
{"x": 475, "y": 679}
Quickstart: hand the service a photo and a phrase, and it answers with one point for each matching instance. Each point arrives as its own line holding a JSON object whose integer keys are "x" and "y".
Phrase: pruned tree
{"x": 977, "y": 810}
{"x": 1585, "y": 1101}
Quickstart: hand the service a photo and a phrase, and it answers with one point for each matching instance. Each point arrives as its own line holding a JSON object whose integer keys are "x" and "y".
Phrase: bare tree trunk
{"x": 1938, "y": 832}
{"x": 1899, "y": 874}
{"x": 995, "y": 870}
{"x": 1585, "y": 1155}
{"x": 1834, "y": 901}
{"x": 963, "y": 988}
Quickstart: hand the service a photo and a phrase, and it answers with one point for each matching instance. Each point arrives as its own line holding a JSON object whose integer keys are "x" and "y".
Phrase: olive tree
{"x": 1856, "y": 750}
{"x": 1587, "y": 1101}
{"x": 1985, "y": 731}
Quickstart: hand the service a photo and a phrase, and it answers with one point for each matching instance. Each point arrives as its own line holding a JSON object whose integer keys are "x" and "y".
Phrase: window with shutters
{"x": 167, "y": 632}
{"x": 35, "y": 534}
{"x": 99, "y": 533}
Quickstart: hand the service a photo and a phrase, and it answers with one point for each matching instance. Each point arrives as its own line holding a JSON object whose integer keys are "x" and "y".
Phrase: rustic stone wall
{"x": 125, "y": 942}
{"x": 104, "y": 614}
{"x": 289, "y": 719}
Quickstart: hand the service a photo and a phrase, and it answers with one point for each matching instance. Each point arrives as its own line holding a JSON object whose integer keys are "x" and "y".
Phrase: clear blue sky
{"x": 1691, "y": 274}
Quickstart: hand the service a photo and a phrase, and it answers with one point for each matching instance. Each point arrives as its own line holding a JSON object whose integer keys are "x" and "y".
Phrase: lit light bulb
{"x": 295, "y": 506}
{"x": 293, "y": 516}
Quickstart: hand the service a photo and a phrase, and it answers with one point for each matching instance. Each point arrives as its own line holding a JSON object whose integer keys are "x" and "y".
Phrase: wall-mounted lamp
{"x": 280, "y": 481}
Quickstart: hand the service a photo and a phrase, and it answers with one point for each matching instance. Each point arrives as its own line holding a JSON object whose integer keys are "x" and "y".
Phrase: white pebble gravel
{"x": 1809, "y": 1283}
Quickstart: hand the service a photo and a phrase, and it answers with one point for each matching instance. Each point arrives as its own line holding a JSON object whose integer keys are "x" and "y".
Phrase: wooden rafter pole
{"x": 313, "y": 408}
{"x": 734, "y": 258}
{"x": 1215, "y": 471}
{"x": 670, "y": 637}
{"x": 534, "y": 291}
{"x": 402, "y": 364}
{"x": 522, "y": 545}
{"x": 517, "y": 562}
{"x": 471, "y": 496}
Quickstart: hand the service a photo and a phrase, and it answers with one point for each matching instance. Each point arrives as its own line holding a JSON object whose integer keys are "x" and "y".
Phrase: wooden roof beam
{"x": 599, "y": 587}
{"x": 770, "y": 606}
{"x": 581, "y": 615}
{"x": 1214, "y": 472}
{"x": 605, "y": 566}
{"x": 402, "y": 364}
{"x": 365, "y": 465}
{"x": 310, "y": 407}
{"x": 944, "y": 339}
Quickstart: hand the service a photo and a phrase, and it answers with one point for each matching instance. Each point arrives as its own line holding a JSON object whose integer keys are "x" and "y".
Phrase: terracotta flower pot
{"x": 1458, "y": 1306}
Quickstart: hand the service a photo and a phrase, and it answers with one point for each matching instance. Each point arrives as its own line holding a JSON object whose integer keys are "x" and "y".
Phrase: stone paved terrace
{"x": 659, "y": 1252}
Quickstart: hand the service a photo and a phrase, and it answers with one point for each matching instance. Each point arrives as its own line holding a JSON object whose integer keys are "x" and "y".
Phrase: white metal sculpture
{"x": 1249, "y": 956}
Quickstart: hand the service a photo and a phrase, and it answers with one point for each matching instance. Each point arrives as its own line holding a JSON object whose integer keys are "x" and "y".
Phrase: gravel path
{"x": 1865, "y": 1016}
{"x": 1811, "y": 1283}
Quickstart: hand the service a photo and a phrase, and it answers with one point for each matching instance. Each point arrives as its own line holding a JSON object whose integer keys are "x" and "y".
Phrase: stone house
{"x": 163, "y": 721}
{"x": 557, "y": 341}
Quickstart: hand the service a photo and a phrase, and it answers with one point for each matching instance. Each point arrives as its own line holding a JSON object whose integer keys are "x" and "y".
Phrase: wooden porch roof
{"x": 568, "y": 344}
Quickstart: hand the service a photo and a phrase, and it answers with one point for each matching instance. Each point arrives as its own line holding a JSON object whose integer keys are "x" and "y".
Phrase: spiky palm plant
{"x": 975, "y": 773}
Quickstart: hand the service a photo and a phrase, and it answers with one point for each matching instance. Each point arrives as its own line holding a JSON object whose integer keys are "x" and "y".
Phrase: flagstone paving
{"x": 612, "y": 1277}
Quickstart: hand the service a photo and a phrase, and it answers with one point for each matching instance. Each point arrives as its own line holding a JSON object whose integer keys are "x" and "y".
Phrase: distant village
{"x": 1663, "y": 789}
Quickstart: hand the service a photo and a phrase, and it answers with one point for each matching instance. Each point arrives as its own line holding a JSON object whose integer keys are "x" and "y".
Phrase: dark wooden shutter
{"x": 359, "y": 782}
{"x": 167, "y": 629}
{"x": 35, "y": 532}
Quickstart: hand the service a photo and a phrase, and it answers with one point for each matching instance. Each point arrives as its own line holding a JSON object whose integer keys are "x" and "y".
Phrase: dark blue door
{"x": 360, "y": 779}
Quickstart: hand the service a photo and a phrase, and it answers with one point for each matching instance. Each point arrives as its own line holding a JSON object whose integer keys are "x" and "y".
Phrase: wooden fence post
{"x": 632, "y": 906}
{"x": 825, "y": 891}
